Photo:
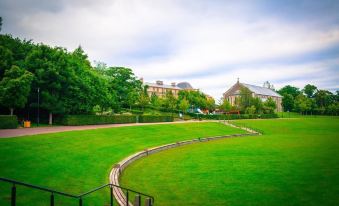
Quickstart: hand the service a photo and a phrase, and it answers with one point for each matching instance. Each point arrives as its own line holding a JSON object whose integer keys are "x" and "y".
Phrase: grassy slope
{"x": 80, "y": 160}
{"x": 295, "y": 163}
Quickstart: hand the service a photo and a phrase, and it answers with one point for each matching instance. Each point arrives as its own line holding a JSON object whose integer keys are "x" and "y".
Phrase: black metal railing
{"x": 149, "y": 202}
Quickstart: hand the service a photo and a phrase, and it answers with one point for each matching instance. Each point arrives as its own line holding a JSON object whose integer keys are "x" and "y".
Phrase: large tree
{"x": 170, "y": 102}
{"x": 310, "y": 90}
{"x": 184, "y": 105}
{"x": 245, "y": 98}
{"x": 123, "y": 82}
{"x": 15, "y": 88}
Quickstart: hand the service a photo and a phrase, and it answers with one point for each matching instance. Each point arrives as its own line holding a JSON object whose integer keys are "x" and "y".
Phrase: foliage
{"x": 310, "y": 90}
{"x": 245, "y": 98}
{"x": 225, "y": 105}
{"x": 288, "y": 102}
{"x": 125, "y": 84}
{"x": 155, "y": 118}
{"x": 250, "y": 110}
{"x": 269, "y": 106}
{"x": 96, "y": 119}
{"x": 170, "y": 102}
{"x": 15, "y": 88}
{"x": 196, "y": 99}
{"x": 144, "y": 99}
{"x": 184, "y": 105}
{"x": 8, "y": 122}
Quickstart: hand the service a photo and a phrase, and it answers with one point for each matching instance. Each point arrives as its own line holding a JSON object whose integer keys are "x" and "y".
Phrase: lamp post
{"x": 38, "y": 106}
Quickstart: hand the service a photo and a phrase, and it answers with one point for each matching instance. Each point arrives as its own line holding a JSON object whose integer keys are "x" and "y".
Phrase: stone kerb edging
{"x": 118, "y": 168}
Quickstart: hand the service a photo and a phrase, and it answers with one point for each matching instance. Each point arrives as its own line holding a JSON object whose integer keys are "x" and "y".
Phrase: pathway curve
{"x": 118, "y": 168}
{"x": 8, "y": 133}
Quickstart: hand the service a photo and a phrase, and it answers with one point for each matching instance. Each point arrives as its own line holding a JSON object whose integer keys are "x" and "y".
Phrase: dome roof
{"x": 185, "y": 85}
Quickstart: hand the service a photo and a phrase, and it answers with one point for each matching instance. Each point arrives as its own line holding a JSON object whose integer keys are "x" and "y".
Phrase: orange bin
{"x": 27, "y": 124}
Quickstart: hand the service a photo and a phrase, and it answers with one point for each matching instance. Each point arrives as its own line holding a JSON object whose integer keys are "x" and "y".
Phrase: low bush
{"x": 8, "y": 122}
{"x": 96, "y": 119}
{"x": 155, "y": 118}
{"x": 232, "y": 116}
{"x": 138, "y": 112}
{"x": 74, "y": 120}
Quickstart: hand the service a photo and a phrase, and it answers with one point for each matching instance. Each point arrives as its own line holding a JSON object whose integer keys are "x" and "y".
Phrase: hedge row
{"x": 8, "y": 122}
{"x": 234, "y": 116}
{"x": 155, "y": 118}
{"x": 74, "y": 120}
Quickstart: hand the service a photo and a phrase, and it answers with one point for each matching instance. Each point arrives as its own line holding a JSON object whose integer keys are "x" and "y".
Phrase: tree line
{"x": 309, "y": 100}
{"x": 66, "y": 83}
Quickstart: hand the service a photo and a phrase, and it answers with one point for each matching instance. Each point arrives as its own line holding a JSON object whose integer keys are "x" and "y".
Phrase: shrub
{"x": 96, "y": 119}
{"x": 8, "y": 122}
{"x": 155, "y": 118}
{"x": 232, "y": 116}
{"x": 139, "y": 112}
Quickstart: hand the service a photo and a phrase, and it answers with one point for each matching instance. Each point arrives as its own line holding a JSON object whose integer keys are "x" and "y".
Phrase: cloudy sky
{"x": 207, "y": 43}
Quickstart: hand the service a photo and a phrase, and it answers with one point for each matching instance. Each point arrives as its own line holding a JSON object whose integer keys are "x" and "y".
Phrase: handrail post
{"x": 127, "y": 198}
{"x": 111, "y": 191}
{"x": 52, "y": 199}
{"x": 13, "y": 196}
{"x": 80, "y": 201}
{"x": 137, "y": 200}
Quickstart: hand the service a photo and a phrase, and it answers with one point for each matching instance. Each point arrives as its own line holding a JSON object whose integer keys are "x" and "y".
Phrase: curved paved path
{"x": 7, "y": 133}
{"x": 117, "y": 169}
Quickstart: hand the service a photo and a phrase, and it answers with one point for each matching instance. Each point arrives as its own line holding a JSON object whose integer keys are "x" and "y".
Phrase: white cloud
{"x": 195, "y": 37}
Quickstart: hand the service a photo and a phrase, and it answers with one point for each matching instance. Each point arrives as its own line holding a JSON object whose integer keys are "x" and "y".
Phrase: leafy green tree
{"x": 302, "y": 103}
{"x": 170, "y": 102}
{"x": 15, "y": 88}
{"x": 294, "y": 91}
{"x": 155, "y": 101}
{"x": 6, "y": 60}
{"x": 269, "y": 106}
{"x": 0, "y": 23}
{"x": 225, "y": 105}
{"x": 245, "y": 98}
{"x": 333, "y": 109}
{"x": 144, "y": 99}
{"x": 184, "y": 105}
{"x": 123, "y": 81}
{"x": 210, "y": 104}
{"x": 196, "y": 98}
{"x": 258, "y": 104}
{"x": 250, "y": 110}
{"x": 289, "y": 94}
{"x": 310, "y": 90}
{"x": 324, "y": 98}
{"x": 288, "y": 102}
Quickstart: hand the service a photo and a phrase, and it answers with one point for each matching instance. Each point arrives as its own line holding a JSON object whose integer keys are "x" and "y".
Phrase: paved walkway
{"x": 7, "y": 133}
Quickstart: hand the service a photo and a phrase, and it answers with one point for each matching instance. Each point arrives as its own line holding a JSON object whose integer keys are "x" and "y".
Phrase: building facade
{"x": 262, "y": 92}
{"x": 160, "y": 89}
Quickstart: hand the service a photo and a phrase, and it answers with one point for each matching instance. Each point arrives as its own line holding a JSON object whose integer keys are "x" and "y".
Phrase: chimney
{"x": 173, "y": 84}
{"x": 159, "y": 82}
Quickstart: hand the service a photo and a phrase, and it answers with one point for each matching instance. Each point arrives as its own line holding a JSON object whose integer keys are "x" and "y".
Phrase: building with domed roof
{"x": 160, "y": 89}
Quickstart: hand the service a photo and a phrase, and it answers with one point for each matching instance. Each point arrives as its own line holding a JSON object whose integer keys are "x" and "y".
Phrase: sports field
{"x": 295, "y": 162}
{"x": 78, "y": 161}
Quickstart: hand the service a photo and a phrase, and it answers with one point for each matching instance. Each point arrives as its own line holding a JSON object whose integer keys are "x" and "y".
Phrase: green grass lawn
{"x": 295, "y": 162}
{"x": 78, "y": 161}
